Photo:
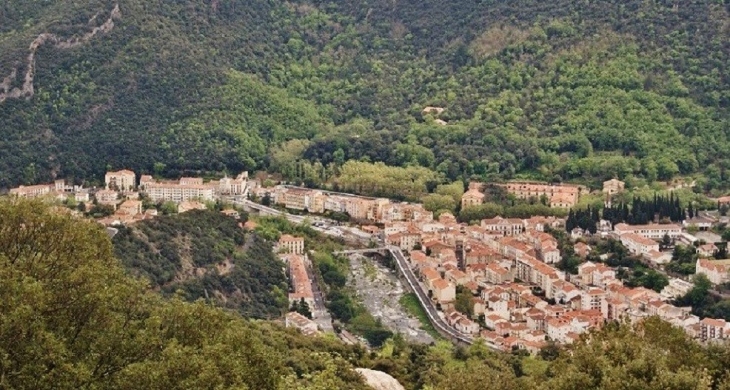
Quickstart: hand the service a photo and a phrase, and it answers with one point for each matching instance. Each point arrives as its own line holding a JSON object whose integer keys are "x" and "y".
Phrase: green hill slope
{"x": 206, "y": 255}
{"x": 580, "y": 90}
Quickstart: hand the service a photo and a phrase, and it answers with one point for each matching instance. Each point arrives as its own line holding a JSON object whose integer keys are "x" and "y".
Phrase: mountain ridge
{"x": 579, "y": 91}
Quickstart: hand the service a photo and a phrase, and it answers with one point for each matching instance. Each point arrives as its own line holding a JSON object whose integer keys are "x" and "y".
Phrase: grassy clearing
{"x": 413, "y": 307}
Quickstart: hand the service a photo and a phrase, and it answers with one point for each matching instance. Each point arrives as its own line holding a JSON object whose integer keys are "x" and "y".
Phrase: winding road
{"x": 403, "y": 267}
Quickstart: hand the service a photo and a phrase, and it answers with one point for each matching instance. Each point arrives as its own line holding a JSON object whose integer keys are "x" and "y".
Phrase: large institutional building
{"x": 124, "y": 180}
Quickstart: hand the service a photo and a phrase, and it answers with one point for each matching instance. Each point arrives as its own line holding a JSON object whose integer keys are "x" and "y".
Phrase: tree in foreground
{"x": 71, "y": 318}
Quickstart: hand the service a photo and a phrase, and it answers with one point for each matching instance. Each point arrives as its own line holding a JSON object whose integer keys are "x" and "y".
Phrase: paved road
{"x": 425, "y": 301}
{"x": 321, "y": 315}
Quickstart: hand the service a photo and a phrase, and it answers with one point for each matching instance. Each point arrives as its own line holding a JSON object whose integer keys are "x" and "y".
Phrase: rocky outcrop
{"x": 27, "y": 90}
{"x": 379, "y": 380}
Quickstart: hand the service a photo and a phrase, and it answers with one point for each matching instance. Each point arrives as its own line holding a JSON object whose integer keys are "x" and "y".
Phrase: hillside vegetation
{"x": 568, "y": 90}
{"x": 71, "y": 317}
{"x": 206, "y": 255}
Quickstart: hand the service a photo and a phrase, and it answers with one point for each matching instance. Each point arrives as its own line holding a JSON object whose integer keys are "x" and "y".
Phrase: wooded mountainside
{"x": 71, "y": 317}
{"x": 565, "y": 90}
{"x": 206, "y": 255}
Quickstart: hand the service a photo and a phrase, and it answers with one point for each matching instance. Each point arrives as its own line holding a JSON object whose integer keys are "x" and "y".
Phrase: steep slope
{"x": 579, "y": 90}
{"x": 206, "y": 255}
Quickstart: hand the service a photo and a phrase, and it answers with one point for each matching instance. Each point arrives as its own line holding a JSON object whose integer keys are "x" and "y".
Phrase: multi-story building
{"x": 131, "y": 207}
{"x": 712, "y": 329}
{"x": 32, "y": 191}
{"x": 145, "y": 180}
{"x": 676, "y": 288}
{"x": 471, "y": 198}
{"x": 358, "y": 208}
{"x": 178, "y": 192}
{"x": 191, "y": 181}
{"x": 569, "y": 194}
{"x": 638, "y": 244}
{"x": 504, "y": 226}
{"x": 124, "y": 180}
{"x": 229, "y": 186}
{"x": 295, "y": 198}
{"x": 592, "y": 299}
{"x": 443, "y": 291}
{"x": 651, "y": 231}
{"x": 717, "y": 271}
{"x": 315, "y": 202}
{"x": 291, "y": 244}
{"x": 108, "y": 197}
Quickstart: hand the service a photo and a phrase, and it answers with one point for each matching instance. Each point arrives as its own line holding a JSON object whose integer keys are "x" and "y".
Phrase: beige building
{"x": 146, "y": 180}
{"x": 504, "y": 226}
{"x": 159, "y": 192}
{"x": 717, "y": 271}
{"x": 304, "y": 324}
{"x": 295, "y": 198}
{"x": 569, "y": 194}
{"x": 32, "y": 191}
{"x": 712, "y": 329}
{"x": 108, "y": 197}
{"x": 315, "y": 202}
{"x": 443, "y": 291}
{"x": 124, "y": 180}
{"x": 131, "y": 207}
{"x": 652, "y": 231}
{"x": 562, "y": 200}
{"x": 358, "y": 208}
{"x": 191, "y": 181}
{"x": 471, "y": 198}
{"x": 229, "y": 186}
{"x": 189, "y": 205}
{"x": 613, "y": 186}
{"x": 291, "y": 244}
{"x": 638, "y": 244}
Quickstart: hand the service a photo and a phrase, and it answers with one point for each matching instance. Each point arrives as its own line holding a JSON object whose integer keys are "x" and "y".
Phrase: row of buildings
{"x": 558, "y": 195}
{"x": 123, "y": 183}
{"x": 376, "y": 210}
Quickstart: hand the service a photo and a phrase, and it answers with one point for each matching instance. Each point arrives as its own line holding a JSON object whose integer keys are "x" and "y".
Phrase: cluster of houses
{"x": 122, "y": 192}
{"x": 520, "y": 298}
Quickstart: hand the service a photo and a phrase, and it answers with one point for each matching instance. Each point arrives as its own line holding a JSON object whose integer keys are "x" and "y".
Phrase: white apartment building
{"x": 651, "y": 231}
{"x": 638, "y": 244}
{"x": 177, "y": 193}
{"x": 506, "y": 227}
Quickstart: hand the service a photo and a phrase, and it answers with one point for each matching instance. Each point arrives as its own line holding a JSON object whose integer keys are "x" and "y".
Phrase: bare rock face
{"x": 379, "y": 380}
{"x": 27, "y": 90}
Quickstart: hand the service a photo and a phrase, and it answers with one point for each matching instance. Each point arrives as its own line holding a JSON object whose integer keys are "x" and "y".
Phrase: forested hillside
{"x": 564, "y": 90}
{"x": 206, "y": 255}
{"x": 70, "y": 317}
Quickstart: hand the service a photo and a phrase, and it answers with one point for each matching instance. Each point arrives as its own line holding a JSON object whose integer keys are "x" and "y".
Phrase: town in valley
{"x": 496, "y": 279}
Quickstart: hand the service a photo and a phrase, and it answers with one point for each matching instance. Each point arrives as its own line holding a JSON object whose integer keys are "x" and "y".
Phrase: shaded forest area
{"x": 206, "y": 255}
{"x": 579, "y": 91}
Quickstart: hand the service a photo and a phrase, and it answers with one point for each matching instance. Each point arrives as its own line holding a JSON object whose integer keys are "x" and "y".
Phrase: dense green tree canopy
{"x": 205, "y": 254}
{"x": 574, "y": 90}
